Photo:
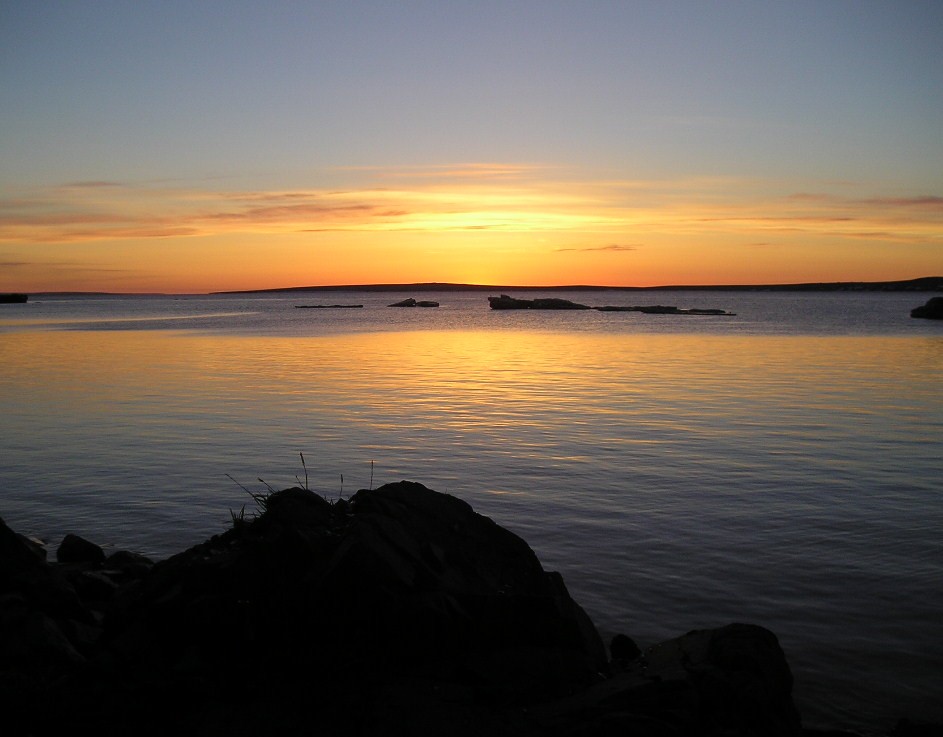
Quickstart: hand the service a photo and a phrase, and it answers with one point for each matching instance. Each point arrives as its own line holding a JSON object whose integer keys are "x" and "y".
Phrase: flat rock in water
{"x": 327, "y": 307}
{"x": 504, "y": 302}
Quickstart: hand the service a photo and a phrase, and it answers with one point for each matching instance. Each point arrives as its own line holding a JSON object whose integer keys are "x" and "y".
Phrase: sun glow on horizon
{"x": 467, "y": 224}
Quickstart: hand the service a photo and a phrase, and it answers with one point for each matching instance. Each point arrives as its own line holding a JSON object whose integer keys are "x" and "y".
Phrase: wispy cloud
{"x": 926, "y": 201}
{"x": 97, "y": 184}
{"x": 73, "y": 267}
{"x": 480, "y": 202}
{"x": 612, "y": 247}
{"x": 470, "y": 171}
{"x": 912, "y": 219}
{"x": 469, "y": 198}
{"x": 932, "y": 202}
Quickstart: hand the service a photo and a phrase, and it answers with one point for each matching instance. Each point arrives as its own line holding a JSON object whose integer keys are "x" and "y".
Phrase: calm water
{"x": 782, "y": 466}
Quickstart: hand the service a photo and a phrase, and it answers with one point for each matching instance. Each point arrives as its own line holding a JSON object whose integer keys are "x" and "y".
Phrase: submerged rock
{"x": 672, "y": 310}
{"x": 328, "y": 307}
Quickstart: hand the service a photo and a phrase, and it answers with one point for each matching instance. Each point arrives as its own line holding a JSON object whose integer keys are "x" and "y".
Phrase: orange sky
{"x": 472, "y": 223}
{"x": 170, "y": 147}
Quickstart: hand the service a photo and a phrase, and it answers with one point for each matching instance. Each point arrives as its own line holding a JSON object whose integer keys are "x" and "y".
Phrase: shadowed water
{"x": 781, "y": 467}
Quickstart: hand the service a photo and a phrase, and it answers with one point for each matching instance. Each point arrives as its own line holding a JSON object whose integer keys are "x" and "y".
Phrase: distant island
{"x": 923, "y": 284}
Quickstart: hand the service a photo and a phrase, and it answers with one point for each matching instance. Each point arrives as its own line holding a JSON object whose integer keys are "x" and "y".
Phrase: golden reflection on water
{"x": 775, "y": 478}
{"x": 465, "y": 380}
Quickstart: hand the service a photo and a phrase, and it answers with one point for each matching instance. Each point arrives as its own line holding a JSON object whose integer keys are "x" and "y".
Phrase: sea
{"x": 782, "y": 465}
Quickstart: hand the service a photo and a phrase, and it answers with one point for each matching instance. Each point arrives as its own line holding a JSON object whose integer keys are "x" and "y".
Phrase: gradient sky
{"x": 201, "y": 146}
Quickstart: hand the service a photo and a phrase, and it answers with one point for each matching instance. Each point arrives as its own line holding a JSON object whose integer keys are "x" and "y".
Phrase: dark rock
{"x": 398, "y": 612}
{"x": 34, "y": 640}
{"x": 410, "y": 582}
{"x": 74, "y": 549}
{"x": 123, "y": 565}
{"x": 670, "y": 310}
{"x": 17, "y": 553}
{"x": 40, "y": 618}
{"x": 327, "y": 307}
{"x": 728, "y": 681}
{"x": 908, "y": 728}
{"x": 35, "y": 546}
{"x": 932, "y": 310}
{"x": 658, "y": 309}
{"x": 43, "y": 587}
{"x": 413, "y": 303}
{"x": 504, "y": 302}
{"x": 623, "y": 649}
{"x": 93, "y": 586}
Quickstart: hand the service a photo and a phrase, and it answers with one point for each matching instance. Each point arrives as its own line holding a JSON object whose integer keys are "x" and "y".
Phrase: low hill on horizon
{"x": 923, "y": 284}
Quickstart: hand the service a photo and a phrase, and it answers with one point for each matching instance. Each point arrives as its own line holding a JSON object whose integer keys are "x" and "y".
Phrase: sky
{"x": 191, "y": 147}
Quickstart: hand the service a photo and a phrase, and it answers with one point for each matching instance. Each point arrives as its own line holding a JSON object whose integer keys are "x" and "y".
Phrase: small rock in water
{"x": 932, "y": 310}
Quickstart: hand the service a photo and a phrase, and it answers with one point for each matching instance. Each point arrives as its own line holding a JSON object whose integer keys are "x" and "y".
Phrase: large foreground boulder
{"x": 398, "y": 612}
{"x": 400, "y": 580}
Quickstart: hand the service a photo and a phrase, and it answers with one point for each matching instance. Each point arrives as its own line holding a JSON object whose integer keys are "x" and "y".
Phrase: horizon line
{"x": 926, "y": 283}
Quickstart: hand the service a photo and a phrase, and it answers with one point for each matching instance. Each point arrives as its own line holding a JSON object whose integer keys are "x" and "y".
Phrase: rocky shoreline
{"x": 400, "y": 611}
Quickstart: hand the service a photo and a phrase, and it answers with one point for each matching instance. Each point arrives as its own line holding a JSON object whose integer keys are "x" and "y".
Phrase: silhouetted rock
{"x": 25, "y": 576}
{"x": 39, "y": 609}
{"x": 623, "y": 650}
{"x": 398, "y": 612}
{"x": 75, "y": 549}
{"x": 932, "y": 310}
{"x": 413, "y": 303}
{"x": 401, "y": 583}
{"x": 665, "y": 310}
{"x": 328, "y": 307}
{"x": 672, "y": 310}
{"x": 123, "y": 565}
{"x": 728, "y": 681}
{"x": 504, "y": 302}
{"x": 908, "y": 728}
